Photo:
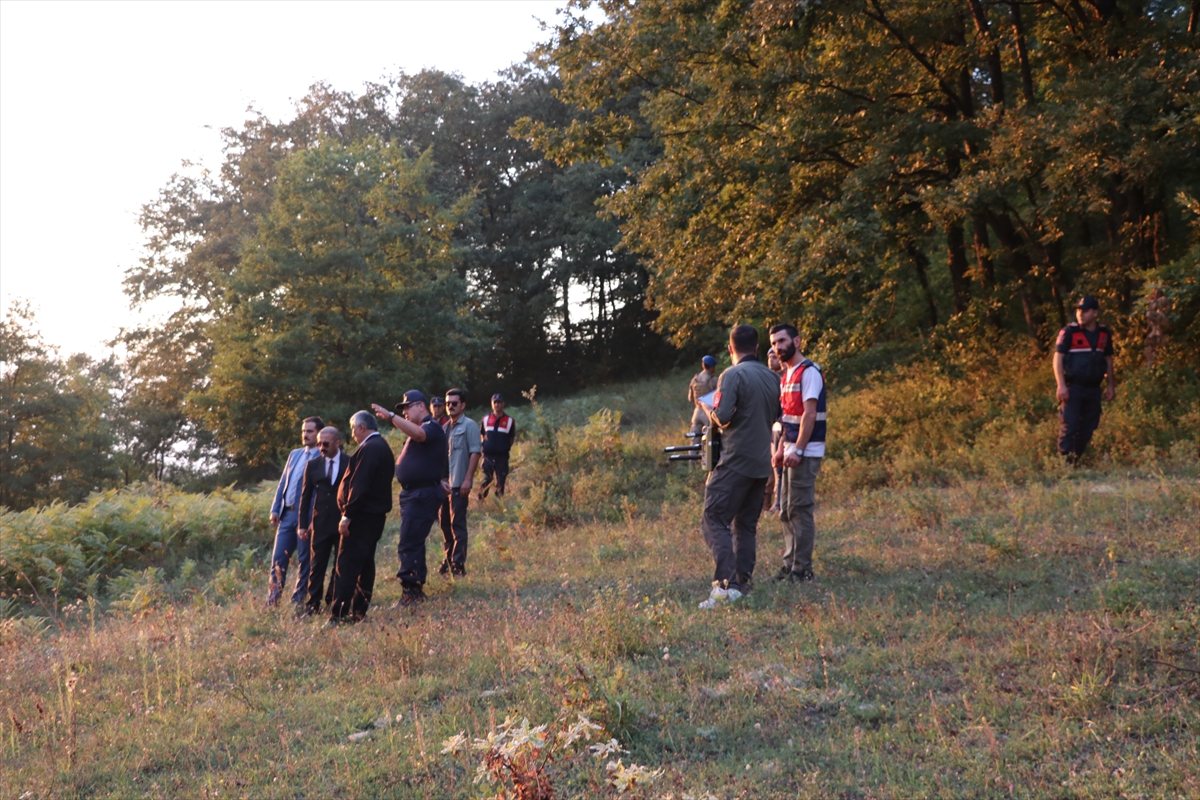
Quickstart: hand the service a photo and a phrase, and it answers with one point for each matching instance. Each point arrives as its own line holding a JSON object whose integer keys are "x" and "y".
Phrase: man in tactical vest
{"x": 437, "y": 408}
{"x": 799, "y": 452}
{"x": 499, "y": 432}
{"x": 1083, "y": 361}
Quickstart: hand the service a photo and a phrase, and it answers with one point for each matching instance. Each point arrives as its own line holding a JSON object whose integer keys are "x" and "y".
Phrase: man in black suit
{"x": 319, "y": 514}
{"x": 364, "y": 498}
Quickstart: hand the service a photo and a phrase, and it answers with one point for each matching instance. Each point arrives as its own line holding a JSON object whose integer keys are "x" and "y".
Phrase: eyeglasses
{"x": 452, "y": 404}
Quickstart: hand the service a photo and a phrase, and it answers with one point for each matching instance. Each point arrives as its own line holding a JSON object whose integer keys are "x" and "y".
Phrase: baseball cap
{"x": 410, "y": 397}
{"x": 497, "y": 398}
{"x": 437, "y": 400}
{"x": 1087, "y": 303}
{"x": 708, "y": 361}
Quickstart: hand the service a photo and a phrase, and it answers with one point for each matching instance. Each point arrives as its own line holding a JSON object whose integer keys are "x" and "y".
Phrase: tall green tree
{"x": 56, "y": 419}
{"x": 567, "y": 306}
{"x": 538, "y": 269}
{"x": 196, "y": 231}
{"x": 160, "y": 438}
{"x": 347, "y": 293}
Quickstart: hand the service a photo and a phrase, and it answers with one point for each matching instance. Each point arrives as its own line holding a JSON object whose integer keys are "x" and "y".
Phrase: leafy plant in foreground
{"x": 518, "y": 757}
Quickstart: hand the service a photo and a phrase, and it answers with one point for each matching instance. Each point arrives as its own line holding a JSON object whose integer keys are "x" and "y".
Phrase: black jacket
{"x": 366, "y": 487}
{"x": 318, "y": 498}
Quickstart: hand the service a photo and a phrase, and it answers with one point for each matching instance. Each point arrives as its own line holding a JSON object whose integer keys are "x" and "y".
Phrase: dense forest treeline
{"x": 865, "y": 167}
{"x": 895, "y": 177}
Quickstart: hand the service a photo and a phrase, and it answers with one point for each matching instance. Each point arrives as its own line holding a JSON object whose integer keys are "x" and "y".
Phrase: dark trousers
{"x": 354, "y": 576}
{"x": 418, "y": 512}
{"x": 324, "y": 548}
{"x": 452, "y": 515}
{"x": 732, "y": 503}
{"x": 495, "y": 465}
{"x": 1080, "y": 416}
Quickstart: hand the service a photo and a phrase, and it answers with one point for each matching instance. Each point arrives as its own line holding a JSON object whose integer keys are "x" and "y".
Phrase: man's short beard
{"x": 785, "y": 355}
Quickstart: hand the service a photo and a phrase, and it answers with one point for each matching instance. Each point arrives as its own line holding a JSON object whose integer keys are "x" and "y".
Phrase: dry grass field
{"x": 974, "y": 638}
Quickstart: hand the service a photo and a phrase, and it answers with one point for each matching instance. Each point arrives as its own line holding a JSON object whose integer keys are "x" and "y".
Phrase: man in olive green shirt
{"x": 745, "y": 407}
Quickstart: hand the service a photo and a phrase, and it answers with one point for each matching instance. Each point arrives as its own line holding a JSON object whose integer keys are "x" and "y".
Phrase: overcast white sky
{"x": 100, "y": 102}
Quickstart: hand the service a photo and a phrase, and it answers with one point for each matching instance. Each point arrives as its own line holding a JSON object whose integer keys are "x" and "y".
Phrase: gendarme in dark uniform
{"x": 745, "y": 407}
{"x": 1083, "y": 362}
{"x": 422, "y": 465}
{"x": 499, "y": 432}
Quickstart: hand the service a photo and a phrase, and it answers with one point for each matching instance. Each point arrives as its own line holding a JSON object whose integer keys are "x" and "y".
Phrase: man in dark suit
{"x": 364, "y": 497}
{"x": 319, "y": 514}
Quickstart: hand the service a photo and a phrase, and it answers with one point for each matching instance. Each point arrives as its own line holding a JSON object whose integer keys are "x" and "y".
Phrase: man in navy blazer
{"x": 285, "y": 517}
{"x": 319, "y": 514}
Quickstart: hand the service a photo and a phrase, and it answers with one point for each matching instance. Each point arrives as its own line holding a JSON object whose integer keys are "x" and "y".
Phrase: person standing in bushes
{"x": 364, "y": 497}
{"x": 464, "y": 448}
{"x": 744, "y": 407}
{"x": 1083, "y": 362}
{"x": 703, "y": 382}
{"x": 319, "y": 514}
{"x": 422, "y": 466}
{"x": 800, "y": 451}
{"x": 437, "y": 408}
{"x": 499, "y": 433}
{"x": 285, "y": 517}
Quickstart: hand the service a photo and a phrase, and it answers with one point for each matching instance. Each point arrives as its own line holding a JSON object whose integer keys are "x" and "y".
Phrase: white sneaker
{"x": 719, "y": 595}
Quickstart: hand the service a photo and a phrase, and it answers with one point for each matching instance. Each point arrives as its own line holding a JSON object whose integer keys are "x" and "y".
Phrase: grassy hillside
{"x": 974, "y": 633}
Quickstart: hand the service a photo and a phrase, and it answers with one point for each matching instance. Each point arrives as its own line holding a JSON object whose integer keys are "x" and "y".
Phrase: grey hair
{"x": 330, "y": 429}
{"x": 364, "y": 418}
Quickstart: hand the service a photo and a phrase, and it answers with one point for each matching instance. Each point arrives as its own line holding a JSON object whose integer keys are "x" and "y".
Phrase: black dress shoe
{"x": 458, "y": 571}
{"x": 803, "y": 576}
{"x": 409, "y": 599}
{"x": 444, "y": 568}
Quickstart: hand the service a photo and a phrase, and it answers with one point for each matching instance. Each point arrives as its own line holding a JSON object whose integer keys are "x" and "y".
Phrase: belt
{"x": 420, "y": 484}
